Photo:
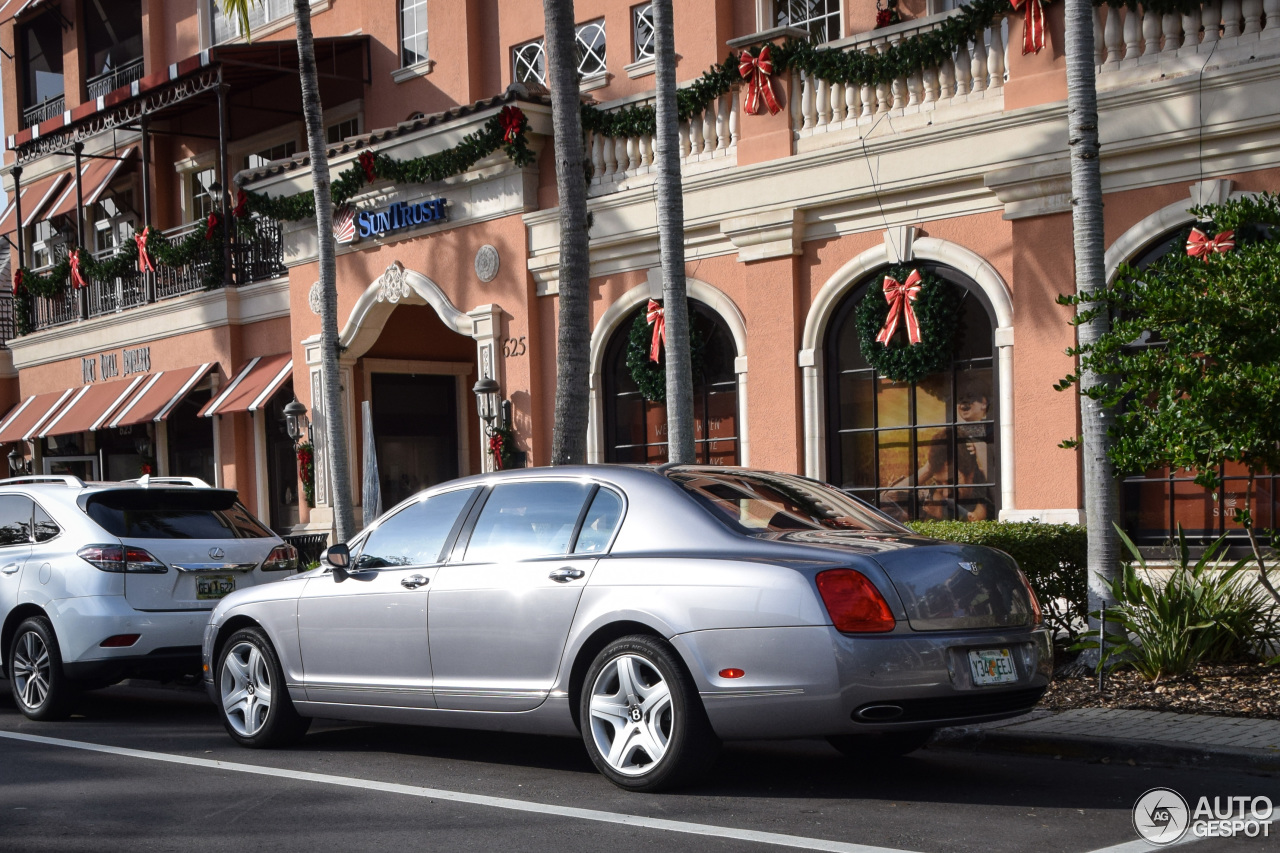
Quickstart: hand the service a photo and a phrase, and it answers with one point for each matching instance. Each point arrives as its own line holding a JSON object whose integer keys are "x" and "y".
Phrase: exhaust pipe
{"x": 878, "y": 713}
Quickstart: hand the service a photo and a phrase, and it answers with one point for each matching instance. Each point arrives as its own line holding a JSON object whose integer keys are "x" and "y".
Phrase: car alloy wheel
{"x": 255, "y": 704}
{"x": 40, "y": 689}
{"x": 631, "y": 715}
{"x": 31, "y": 669}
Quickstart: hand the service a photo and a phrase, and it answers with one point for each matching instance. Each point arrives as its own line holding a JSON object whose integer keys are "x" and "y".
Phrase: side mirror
{"x": 338, "y": 556}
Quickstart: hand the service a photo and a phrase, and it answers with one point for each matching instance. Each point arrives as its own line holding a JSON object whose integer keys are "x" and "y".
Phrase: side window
{"x": 15, "y": 520}
{"x": 415, "y": 535}
{"x": 602, "y": 519}
{"x": 522, "y": 520}
{"x": 45, "y": 527}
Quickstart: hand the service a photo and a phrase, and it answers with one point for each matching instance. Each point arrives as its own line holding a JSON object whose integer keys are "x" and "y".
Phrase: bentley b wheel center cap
{"x": 636, "y": 714}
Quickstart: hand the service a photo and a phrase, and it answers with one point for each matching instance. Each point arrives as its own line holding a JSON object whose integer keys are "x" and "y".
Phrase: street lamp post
{"x": 295, "y": 420}
{"x": 486, "y": 391}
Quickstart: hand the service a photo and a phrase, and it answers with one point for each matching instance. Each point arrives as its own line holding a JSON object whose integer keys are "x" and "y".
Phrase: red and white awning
{"x": 252, "y": 387}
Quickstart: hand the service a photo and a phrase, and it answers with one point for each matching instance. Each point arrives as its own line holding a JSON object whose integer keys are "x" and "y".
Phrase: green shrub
{"x": 1053, "y": 556}
{"x": 1207, "y": 612}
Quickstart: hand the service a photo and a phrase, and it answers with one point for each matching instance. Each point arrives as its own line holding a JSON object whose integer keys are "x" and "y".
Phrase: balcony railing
{"x": 1130, "y": 37}
{"x": 7, "y": 328}
{"x": 114, "y": 79}
{"x": 46, "y": 109}
{"x": 256, "y": 255}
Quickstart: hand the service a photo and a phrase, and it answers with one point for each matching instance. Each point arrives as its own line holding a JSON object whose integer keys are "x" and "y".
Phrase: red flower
{"x": 511, "y": 119}
{"x": 145, "y": 469}
{"x": 884, "y": 18}
{"x": 367, "y": 161}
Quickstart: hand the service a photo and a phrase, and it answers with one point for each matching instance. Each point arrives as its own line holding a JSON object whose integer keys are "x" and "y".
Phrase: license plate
{"x": 214, "y": 586}
{"x": 992, "y": 666}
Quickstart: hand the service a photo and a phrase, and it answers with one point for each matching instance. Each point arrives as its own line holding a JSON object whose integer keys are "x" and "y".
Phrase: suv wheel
{"x": 252, "y": 698}
{"x": 642, "y": 720}
{"x": 40, "y": 689}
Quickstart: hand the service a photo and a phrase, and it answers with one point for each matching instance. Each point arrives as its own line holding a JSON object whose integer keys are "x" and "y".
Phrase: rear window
{"x": 778, "y": 503}
{"x": 174, "y": 514}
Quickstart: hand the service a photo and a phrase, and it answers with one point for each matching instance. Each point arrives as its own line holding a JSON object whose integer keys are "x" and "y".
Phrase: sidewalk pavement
{"x": 1137, "y": 737}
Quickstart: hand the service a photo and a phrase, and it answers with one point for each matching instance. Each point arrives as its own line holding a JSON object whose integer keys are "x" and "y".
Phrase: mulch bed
{"x": 1235, "y": 690}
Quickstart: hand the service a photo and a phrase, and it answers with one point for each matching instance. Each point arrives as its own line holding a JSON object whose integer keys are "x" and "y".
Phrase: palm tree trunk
{"x": 680, "y": 425}
{"x": 569, "y": 435}
{"x": 331, "y": 378}
{"x": 1100, "y": 492}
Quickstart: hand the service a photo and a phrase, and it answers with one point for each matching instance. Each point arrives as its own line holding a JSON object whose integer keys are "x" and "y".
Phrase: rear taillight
{"x": 283, "y": 558}
{"x": 855, "y": 605}
{"x": 1036, "y": 613}
{"x": 118, "y": 559}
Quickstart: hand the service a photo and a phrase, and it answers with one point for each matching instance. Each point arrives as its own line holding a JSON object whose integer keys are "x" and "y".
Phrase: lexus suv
{"x": 105, "y": 581}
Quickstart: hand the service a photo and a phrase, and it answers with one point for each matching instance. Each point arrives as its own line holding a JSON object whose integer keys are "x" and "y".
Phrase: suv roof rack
{"x": 147, "y": 480}
{"x": 65, "y": 479}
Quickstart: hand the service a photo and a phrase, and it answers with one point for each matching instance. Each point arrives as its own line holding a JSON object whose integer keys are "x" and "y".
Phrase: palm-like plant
{"x": 313, "y": 113}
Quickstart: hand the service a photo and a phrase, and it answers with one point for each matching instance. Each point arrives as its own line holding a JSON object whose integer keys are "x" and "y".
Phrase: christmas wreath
{"x": 912, "y": 333}
{"x": 651, "y": 376}
{"x": 502, "y": 445}
{"x": 307, "y": 471}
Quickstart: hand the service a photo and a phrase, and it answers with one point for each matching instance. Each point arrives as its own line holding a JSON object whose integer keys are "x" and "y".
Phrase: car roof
{"x": 70, "y": 489}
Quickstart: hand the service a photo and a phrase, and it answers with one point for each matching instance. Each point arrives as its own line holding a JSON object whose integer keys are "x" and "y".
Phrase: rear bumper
{"x": 168, "y": 642}
{"x": 815, "y": 681}
{"x": 160, "y": 663}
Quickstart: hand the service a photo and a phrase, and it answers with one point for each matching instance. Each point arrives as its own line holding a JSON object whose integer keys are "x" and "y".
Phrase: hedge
{"x": 1054, "y": 557}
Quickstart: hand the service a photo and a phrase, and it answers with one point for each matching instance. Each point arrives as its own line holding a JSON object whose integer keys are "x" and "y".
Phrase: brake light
{"x": 118, "y": 559}
{"x": 283, "y": 558}
{"x": 1037, "y": 614}
{"x": 855, "y": 605}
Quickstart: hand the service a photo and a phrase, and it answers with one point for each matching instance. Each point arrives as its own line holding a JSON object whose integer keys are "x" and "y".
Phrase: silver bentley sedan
{"x": 654, "y": 612}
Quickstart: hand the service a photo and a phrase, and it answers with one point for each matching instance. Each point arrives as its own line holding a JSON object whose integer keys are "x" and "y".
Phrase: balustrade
{"x": 1136, "y": 36}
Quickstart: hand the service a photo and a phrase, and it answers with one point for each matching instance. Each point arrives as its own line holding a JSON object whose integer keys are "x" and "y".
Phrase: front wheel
{"x": 642, "y": 720}
{"x": 252, "y": 697}
{"x": 40, "y": 688}
{"x": 882, "y": 746}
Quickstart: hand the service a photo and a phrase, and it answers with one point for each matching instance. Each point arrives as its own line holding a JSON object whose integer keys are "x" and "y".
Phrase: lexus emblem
{"x": 216, "y": 553}
{"x": 972, "y": 567}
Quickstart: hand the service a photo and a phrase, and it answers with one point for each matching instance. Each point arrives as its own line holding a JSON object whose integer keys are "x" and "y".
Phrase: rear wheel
{"x": 642, "y": 720}
{"x": 252, "y": 698}
{"x": 40, "y": 688}
{"x": 880, "y": 746}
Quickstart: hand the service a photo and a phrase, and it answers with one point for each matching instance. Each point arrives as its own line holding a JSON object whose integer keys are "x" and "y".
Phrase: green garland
{"x": 430, "y": 168}
{"x": 651, "y": 377}
{"x": 937, "y": 309}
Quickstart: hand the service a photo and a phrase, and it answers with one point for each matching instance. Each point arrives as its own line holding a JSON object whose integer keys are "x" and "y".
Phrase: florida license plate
{"x": 214, "y": 586}
{"x": 992, "y": 666}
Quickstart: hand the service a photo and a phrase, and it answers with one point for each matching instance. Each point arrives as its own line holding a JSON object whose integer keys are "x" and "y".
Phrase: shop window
{"x": 40, "y": 58}
{"x": 922, "y": 449}
{"x": 642, "y": 32}
{"x": 1156, "y": 503}
{"x": 820, "y": 17}
{"x": 413, "y": 32}
{"x": 636, "y": 429}
{"x": 191, "y": 438}
{"x": 529, "y": 60}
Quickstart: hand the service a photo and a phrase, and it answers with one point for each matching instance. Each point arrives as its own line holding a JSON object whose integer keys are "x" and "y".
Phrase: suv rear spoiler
{"x": 65, "y": 479}
{"x": 148, "y": 480}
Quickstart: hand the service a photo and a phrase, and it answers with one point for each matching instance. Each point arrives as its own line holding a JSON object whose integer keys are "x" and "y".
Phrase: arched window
{"x": 636, "y": 429}
{"x": 1155, "y": 503}
{"x": 916, "y": 450}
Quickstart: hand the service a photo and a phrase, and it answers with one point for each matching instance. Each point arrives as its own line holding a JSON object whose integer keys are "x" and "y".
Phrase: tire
{"x": 882, "y": 746}
{"x": 247, "y": 663}
{"x": 637, "y": 689}
{"x": 40, "y": 688}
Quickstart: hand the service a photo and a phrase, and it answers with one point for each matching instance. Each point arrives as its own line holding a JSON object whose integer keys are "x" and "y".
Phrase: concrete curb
{"x": 1105, "y": 750}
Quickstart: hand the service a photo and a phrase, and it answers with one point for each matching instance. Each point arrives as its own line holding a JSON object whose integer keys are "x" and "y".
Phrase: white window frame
{"x": 344, "y": 112}
{"x": 282, "y": 18}
{"x": 417, "y": 7}
{"x": 642, "y": 14}
{"x": 186, "y": 170}
{"x": 293, "y": 132}
{"x": 772, "y": 19}
{"x": 598, "y": 77}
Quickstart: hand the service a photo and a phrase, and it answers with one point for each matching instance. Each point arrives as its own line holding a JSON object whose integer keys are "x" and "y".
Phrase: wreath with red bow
{"x": 936, "y": 311}
{"x": 650, "y": 376}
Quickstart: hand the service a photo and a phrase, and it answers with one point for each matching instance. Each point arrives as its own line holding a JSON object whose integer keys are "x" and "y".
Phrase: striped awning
{"x": 252, "y": 387}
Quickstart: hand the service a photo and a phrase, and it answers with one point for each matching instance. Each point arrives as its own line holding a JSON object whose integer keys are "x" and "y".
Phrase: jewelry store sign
{"x": 109, "y": 364}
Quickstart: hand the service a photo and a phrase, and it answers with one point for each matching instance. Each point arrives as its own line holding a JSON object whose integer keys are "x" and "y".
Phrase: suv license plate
{"x": 992, "y": 666}
{"x": 216, "y": 586}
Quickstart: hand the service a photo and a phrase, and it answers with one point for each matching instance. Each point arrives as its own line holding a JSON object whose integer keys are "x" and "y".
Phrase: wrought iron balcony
{"x": 115, "y": 78}
{"x": 46, "y": 109}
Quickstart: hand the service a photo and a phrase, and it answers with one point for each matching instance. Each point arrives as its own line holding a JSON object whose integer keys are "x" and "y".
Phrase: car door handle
{"x": 414, "y": 581}
{"x": 566, "y": 575}
{"x": 10, "y": 569}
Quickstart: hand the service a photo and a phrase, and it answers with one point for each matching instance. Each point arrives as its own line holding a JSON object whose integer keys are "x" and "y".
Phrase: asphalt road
{"x": 148, "y": 769}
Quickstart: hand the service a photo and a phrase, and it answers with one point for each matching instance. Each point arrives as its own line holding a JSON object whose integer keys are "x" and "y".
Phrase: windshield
{"x": 174, "y": 514}
{"x": 754, "y": 502}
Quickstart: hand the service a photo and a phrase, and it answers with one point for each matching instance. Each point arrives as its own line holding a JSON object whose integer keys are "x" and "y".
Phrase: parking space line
{"x": 709, "y": 830}
{"x": 1140, "y": 846}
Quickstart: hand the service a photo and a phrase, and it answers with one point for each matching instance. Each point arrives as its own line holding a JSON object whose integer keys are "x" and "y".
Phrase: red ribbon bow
{"x": 1033, "y": 25}
{"x": 511, "y": 119}
{"x": 656, "y": 317}
{"x": 144, "y": 257}
{"x": 1199, "y": 244}
{"x": 366, "y": 163}
{"x": 495, "y": 448}
{"x": 210, "y": 224}
{"x": 17, "y": 280}
{"x": 242, "y": 204}
{"x": 756, "y": 70}
{"x": 77, "y": 280}
{"x": 900, "y": 296}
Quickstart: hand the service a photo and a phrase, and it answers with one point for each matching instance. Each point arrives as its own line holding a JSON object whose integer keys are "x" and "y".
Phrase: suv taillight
{"x": 855, "y": 605}
{"x": 117, "y": 558}
{"x": 283, "y": 558}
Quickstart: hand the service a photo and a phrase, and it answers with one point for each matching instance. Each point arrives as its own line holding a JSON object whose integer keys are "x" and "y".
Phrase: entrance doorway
{"x": 415, "y": 429}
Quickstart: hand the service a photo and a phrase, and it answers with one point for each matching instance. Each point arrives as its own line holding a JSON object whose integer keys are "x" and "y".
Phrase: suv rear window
{"x": 174, "y": 514}
{"x": 779, "y": 503}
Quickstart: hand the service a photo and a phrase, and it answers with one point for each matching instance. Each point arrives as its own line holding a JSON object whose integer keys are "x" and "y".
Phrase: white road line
{"x": 1141, "y": 846}
{"x": 471, "y": 799}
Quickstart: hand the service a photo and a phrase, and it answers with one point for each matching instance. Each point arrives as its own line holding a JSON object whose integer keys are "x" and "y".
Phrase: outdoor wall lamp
{"x": 295, "y": 420}
{"x": 142, "y": 443}
{"x": 486, "y": 391}
{"x": 17, "y": 461}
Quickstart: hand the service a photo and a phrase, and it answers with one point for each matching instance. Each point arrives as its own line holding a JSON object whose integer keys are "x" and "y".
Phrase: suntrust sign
{"x": 400, "y": 215}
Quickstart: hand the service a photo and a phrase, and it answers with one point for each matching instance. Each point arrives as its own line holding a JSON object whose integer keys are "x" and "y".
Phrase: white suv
{"x": 105, "y": 581}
